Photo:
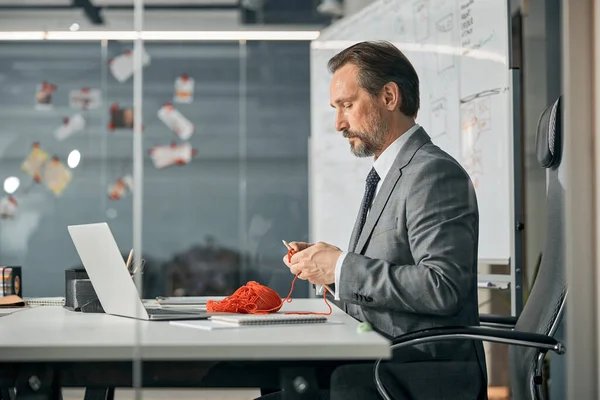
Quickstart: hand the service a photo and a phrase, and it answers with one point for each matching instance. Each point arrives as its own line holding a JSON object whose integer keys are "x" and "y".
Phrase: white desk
{"x": 48, "y": 334}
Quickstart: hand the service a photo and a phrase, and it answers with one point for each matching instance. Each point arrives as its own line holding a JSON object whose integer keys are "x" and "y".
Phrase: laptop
{"x": 111, "y": 280}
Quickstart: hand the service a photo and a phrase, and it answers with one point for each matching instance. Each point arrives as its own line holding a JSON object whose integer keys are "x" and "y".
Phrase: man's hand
{"x": 314, "y": 262}
{"x": 299, "y": 246}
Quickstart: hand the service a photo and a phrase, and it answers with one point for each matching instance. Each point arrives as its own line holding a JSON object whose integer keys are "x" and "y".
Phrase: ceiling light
{"x": 248, "y": 35}
{"x": 11, "y": 184}
{"x": 37, "y": 35}
{"x": 73, "y": 159}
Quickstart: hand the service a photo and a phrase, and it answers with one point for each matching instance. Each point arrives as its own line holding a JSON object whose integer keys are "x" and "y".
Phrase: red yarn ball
{"x": 252, "y": 298}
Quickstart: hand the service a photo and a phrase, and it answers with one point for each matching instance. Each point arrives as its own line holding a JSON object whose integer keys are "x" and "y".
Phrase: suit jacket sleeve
{"x": 442, "y": 227}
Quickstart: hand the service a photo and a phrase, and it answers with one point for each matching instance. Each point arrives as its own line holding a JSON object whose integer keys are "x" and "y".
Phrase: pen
{"x": 324, "y": 285}
{"x": 129, "y": 259}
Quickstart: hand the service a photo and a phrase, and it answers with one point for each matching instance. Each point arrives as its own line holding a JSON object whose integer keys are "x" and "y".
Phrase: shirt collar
{"x": 384, "y": 162}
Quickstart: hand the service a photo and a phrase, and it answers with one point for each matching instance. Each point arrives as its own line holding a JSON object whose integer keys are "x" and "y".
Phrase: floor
{"x": 129, "y": 394}
{"x": 498, "y": 393}
{"x": 494, "y": 393}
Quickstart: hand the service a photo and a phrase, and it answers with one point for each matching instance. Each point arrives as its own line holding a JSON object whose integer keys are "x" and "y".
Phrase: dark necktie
{"x": 370, "y": 186}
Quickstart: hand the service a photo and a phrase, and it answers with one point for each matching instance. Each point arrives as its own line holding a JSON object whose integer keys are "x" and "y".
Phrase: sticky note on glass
{"x": 71, "y": 125}
{"x": 165, "y": 156}
{"x": 85, "y": 99}
{"x": 8, "y": 207}
{"x": 56, "y": 176}
{"x": 43, "y": 96}
{"x": 184, "y": 89}
{"x": 34, "y": 162}
{"x": 121, "y": 67}
{"x": 179, "y": 124}
{"x": 120, "y": 188}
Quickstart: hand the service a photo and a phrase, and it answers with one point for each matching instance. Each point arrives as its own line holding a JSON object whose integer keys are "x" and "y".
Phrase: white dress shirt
{"x": 382, "y": 165}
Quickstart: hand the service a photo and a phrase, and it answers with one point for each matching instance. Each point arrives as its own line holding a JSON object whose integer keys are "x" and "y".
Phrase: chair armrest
{"x": 479, "y": 333}
{"x": 498, "y": 321}
{"x": 505, "y": 336}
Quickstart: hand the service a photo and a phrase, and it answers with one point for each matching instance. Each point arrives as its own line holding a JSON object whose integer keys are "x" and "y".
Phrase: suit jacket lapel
{"x": 414, "y": 143}
{"x": 351, "y": 246}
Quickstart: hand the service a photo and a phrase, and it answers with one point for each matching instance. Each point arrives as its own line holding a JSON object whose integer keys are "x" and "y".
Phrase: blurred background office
{"x": 226, "y": 129}
{"x": 217, "y": 216}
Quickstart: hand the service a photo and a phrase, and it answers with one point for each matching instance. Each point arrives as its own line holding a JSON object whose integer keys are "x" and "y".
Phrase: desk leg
{"x": 37, "y": 383}
{"x": 7, "y": 394}
{"x": 299, "y": 383}
{"x": 99, "y": 394}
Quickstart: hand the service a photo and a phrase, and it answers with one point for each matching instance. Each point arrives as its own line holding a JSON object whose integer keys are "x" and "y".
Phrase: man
{"x": 412, "y": 259}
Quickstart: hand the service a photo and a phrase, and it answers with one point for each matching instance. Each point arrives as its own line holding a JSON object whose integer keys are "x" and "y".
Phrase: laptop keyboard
{"x": 166, "y": 311}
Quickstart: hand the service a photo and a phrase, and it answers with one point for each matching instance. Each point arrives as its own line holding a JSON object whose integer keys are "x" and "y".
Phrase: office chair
{"x": 531, "y": 334}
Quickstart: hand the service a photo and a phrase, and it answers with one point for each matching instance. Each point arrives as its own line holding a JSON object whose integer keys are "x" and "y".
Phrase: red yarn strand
{"x": 308, "y": 312}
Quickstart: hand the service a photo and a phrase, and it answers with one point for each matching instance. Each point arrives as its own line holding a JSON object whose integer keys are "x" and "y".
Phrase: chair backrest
{"x": 545, "y": 305}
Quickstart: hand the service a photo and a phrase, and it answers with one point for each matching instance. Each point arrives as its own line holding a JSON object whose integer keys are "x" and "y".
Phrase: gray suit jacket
{"x": 415, "y": 263}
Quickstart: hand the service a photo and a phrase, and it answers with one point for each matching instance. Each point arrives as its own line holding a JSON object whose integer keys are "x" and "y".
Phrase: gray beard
{"x": 363, "y": 150}
{"x": 371, "y": 144}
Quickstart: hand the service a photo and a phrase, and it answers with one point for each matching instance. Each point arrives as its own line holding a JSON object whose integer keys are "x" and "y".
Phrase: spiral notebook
{"x": 45, "y": 301}
{"x": 218, "y": 322}
{"x": 268, "y": 319}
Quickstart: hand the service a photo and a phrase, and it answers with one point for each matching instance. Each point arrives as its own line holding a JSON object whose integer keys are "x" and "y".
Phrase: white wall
{"x": 581, "y": 22}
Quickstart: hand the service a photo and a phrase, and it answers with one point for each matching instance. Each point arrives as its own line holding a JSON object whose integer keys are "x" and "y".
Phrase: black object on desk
{"x": 11, "y": 281}
{"x": 79, "y": 292}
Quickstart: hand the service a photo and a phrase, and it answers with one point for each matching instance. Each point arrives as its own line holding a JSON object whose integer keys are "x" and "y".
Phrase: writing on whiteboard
{"x": 475, "y": 120}
{"x": 444, "y": 35}
{"x": 459, "y": 49}
{"x": 399, "y": 27}
{"x": 480, "y": 44}
{"x": 466, "y": 24}
{"x": 421, "y": 21}
{"x": 439, "y": 123}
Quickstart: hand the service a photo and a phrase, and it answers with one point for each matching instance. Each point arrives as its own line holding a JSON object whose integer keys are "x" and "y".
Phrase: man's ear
{"x": 392, "y": 97}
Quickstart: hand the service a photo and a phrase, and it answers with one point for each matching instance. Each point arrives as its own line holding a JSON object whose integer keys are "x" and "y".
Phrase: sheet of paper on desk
{"x": 204, "y": 325}
{"x": 209, "y": 325}
{"x": 8, "y": 311}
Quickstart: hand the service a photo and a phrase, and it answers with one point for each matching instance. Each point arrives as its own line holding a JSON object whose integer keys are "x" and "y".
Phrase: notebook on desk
{"x": 233, "y": 321}
{"x": 45, "y": 301}
{"x": 268, "y": 319}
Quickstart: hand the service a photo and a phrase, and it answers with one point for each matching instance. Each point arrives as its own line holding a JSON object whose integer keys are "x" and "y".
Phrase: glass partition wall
{"x": 213, "y": 215}
{"x": 224, "y": 160}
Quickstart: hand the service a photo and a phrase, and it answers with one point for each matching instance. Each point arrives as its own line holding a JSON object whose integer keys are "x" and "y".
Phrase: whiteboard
{"x": 459, "y": 49}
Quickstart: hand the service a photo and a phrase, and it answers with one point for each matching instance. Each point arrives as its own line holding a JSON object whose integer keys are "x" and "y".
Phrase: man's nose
{"x": 340, "y": 122}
